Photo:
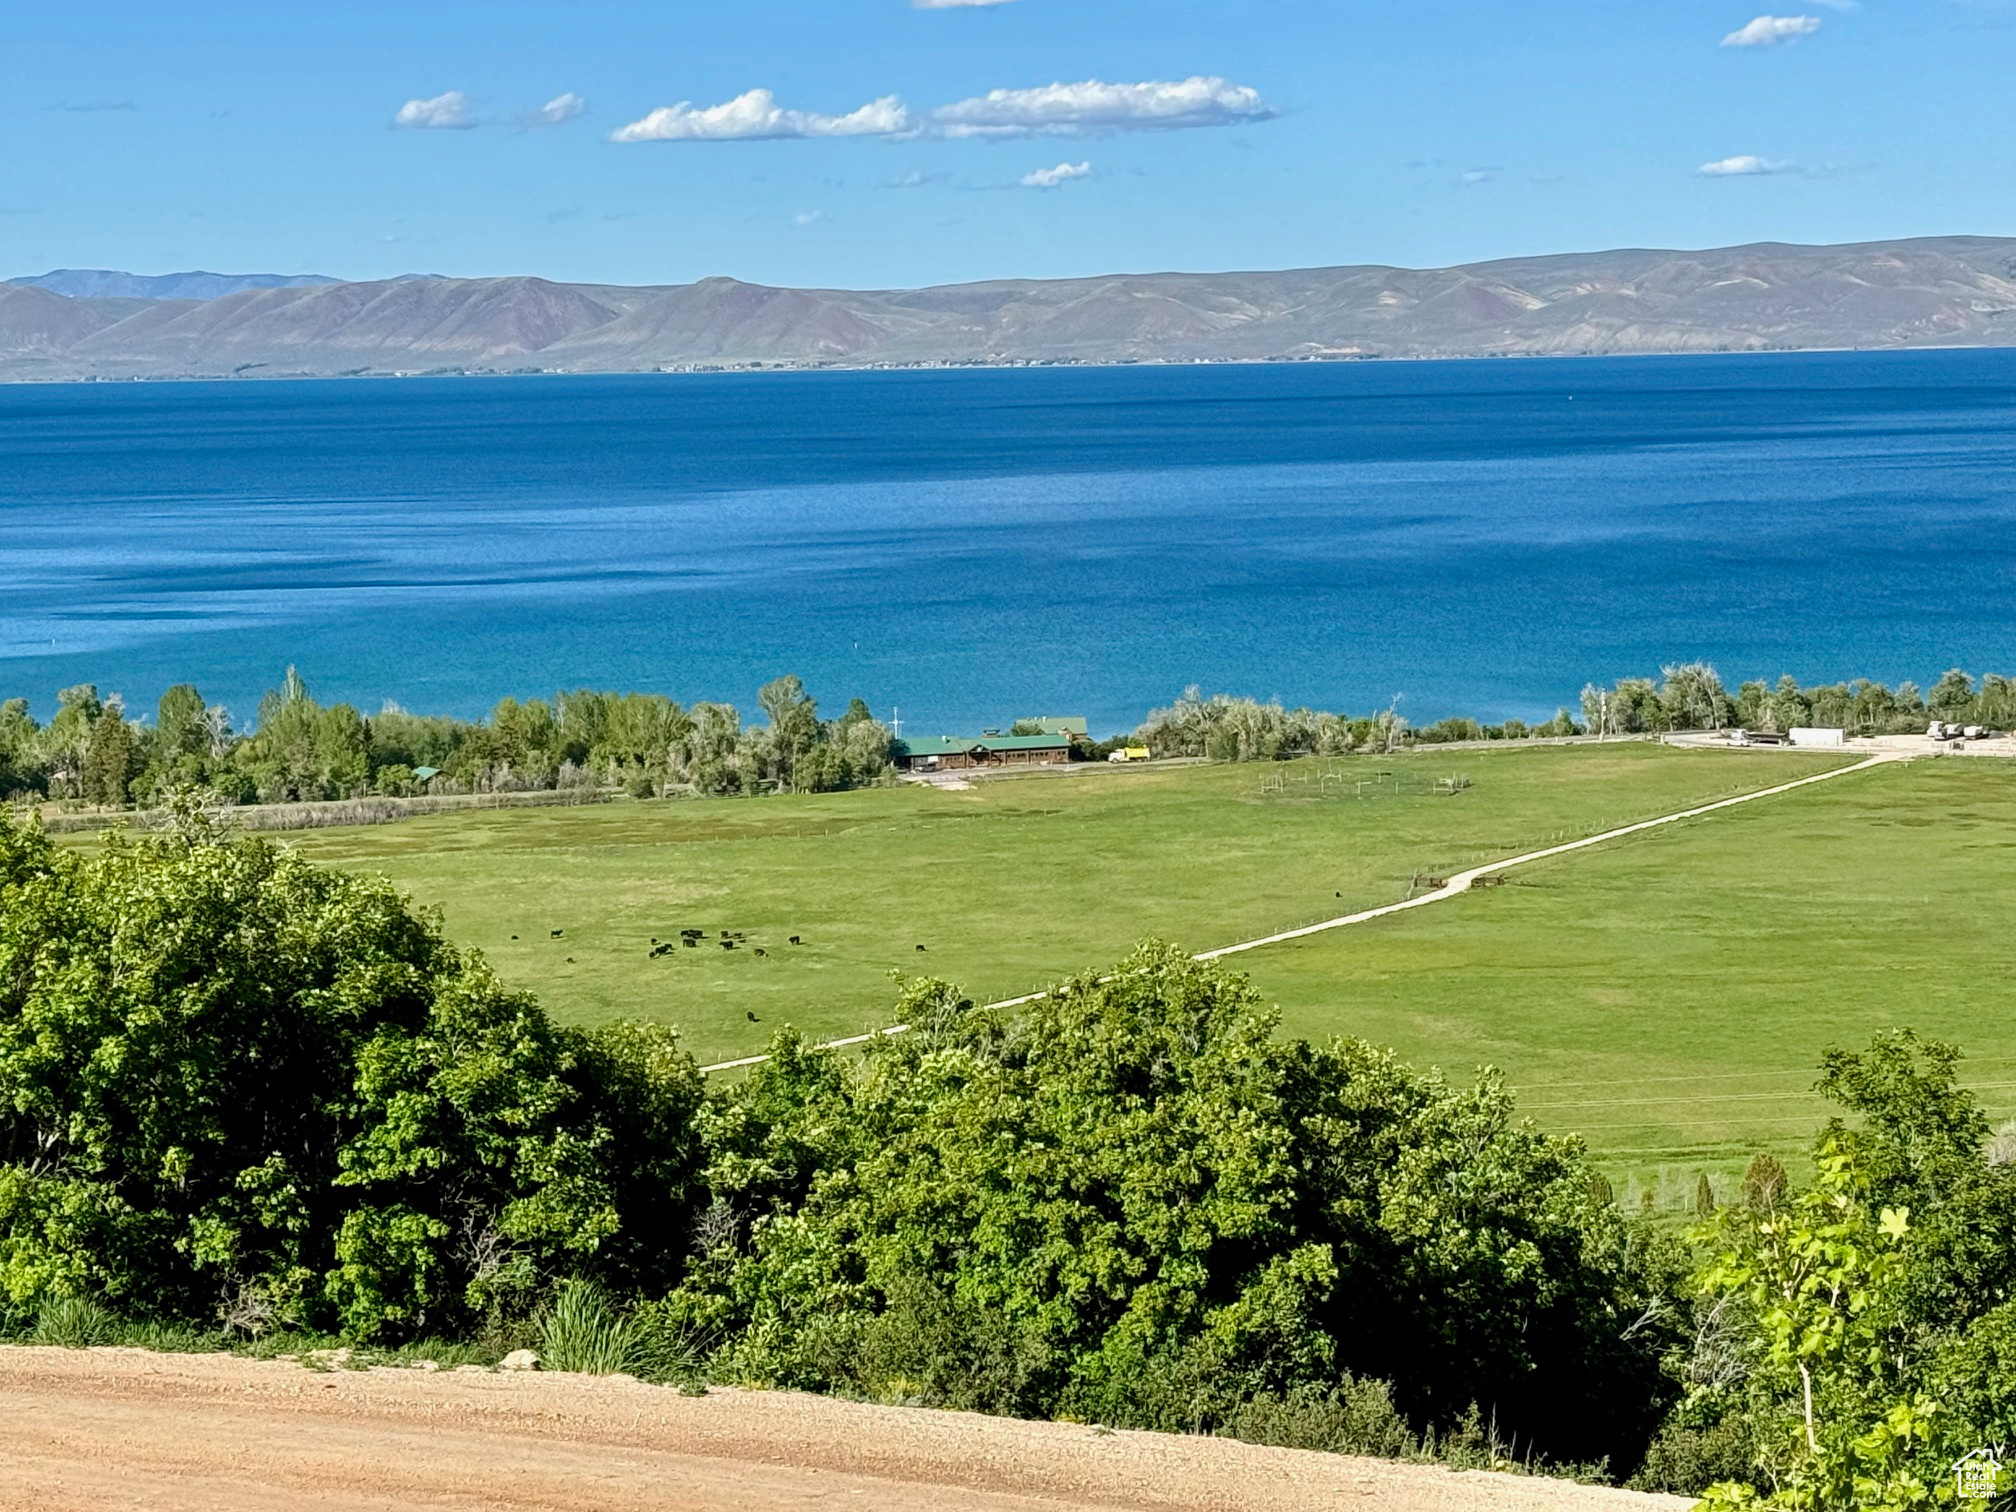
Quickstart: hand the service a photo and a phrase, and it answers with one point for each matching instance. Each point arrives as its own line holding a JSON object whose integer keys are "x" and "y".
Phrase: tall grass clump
{"x": 583, "y": 1330}
{"x": 74, "y": 1323}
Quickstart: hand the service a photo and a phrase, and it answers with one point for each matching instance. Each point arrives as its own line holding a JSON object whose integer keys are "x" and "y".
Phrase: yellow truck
{"x": 1129, "y": 753}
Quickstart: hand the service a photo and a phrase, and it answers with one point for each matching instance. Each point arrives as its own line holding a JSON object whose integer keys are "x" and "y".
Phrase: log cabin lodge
{"x": 954, "y": 753}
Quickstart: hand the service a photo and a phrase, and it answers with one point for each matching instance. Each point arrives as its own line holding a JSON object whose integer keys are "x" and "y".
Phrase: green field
{"x": 1007, "y": 885}
{"x": 1667, "y": 994}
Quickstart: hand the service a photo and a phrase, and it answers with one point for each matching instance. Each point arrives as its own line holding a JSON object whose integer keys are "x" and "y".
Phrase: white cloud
{"x": 445, "y": 112}
{"x": 1769, "y": 31}
{"x": 1744, "y": 166}
{"x": 560, "y": 109}
{"x": 808, "y": 217}
{"x": 916, "y": 178}
{"x": 1050, "y": 178}
{"x": 756, "y": 116}
{"x": 1087, "y": 109}
{"x": 1093, "y": 107}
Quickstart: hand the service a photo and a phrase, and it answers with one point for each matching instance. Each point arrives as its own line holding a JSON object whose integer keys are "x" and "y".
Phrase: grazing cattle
{"x": 920, "y": 947}
{"x": 796, "y": 941}
{"x": 761, "y": 951}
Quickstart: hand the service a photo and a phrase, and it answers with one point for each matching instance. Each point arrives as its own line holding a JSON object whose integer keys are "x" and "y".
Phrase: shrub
{"x": 1350, "y": 1417}
{"x": 1129, "y": 1203}
{"x": 1765, "y": 1184}
{"x": 1873, "y": 1342}
{"x": 236, "y": 1087}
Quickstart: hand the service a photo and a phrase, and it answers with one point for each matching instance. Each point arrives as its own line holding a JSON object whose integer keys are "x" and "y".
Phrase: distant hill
{"x": 103, "y": 283}
{"x": 1945, "y": 291}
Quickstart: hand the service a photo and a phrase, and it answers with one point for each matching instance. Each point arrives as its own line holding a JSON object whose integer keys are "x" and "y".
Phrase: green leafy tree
{"x": 1952, "y": 697}
{"x": 235, "y": 1085}
{"x": 1820, "y": 1278}
{"x": 1789, "y": 708}
{"x": 1130, "y": 1203}
{"x": 21, "y": 766}
{"x": 1996, "y": 704}
{"x": 708, "y": 755}
{"x": 1693, "y": 698}
{"x": 1857, "y": 1338}
{"x": 111, "y": 759}
{"x": 181, "y": 725}
{"x": 794, "y": 722}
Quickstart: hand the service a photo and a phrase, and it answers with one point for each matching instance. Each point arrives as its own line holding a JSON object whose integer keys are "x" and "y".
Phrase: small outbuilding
{"x": 955, "y": 753}
{"x": 1802, "y": 735}
{"x": 1072, "y": 726}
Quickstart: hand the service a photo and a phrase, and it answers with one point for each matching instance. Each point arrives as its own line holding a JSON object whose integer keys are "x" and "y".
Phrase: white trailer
{"x": 1802, "y": 735}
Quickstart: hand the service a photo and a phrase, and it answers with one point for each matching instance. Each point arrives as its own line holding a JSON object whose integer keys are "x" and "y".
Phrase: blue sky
{"x": 862, "y": 142}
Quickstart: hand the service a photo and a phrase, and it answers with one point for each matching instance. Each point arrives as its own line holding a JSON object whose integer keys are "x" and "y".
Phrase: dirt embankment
{"x": 110, "y": 1430}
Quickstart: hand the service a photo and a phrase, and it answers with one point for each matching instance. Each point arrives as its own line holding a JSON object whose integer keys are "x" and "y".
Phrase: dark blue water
{"x": 1478, "y": 537}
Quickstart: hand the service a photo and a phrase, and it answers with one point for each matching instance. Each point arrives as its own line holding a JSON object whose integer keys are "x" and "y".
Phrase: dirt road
{"x": 1454, "y": 887}
{"x": 115, "y": 1430}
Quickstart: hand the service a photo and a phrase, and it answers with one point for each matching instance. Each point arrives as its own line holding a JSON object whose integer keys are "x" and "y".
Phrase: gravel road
{"x": 117, "y": 1429}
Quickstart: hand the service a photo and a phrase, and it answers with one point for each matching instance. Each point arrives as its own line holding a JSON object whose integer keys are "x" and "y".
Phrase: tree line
{"x": 246, "y": 1098}
{"x": 1688, "y": 696}
{"x": 299, "y": 749}
{"x": 1692, "y": 696}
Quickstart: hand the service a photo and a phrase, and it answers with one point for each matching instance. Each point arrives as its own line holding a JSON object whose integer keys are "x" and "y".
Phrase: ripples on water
{"x": 1480, "y": 537}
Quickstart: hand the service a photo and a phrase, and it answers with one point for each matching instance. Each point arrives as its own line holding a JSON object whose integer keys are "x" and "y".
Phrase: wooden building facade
{"x": 955, "y": 753}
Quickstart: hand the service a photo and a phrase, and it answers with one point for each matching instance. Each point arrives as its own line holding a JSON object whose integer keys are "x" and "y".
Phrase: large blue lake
{"x": 1478, "y": 537}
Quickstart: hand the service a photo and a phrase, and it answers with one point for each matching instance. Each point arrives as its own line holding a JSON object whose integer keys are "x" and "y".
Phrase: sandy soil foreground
{"x": 115, "y": 1429}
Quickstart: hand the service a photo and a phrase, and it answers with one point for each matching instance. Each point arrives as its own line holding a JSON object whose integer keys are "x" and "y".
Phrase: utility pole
{"x": 896, "y": 723}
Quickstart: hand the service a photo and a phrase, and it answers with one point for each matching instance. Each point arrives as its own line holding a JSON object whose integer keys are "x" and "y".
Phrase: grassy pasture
{"x": 1669, "y": 995}
{"x": 1008, "y": 885}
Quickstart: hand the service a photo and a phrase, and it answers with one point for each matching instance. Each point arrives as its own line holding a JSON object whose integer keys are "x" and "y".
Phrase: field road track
{"x": 1453, "y": 887}
{"x": 118, "y": 1430}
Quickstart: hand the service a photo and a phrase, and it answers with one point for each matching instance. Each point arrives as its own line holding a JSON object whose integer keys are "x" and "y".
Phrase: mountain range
{"x": 1943, "y": 291}
{"x": 104, "y": 283}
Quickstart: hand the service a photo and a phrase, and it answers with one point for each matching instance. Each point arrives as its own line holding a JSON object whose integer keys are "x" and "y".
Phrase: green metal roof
{"x": 958, "y": 745}
{"x": 1061, "y": 724}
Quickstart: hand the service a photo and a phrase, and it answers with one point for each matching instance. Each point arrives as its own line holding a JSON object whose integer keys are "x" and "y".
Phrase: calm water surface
{"x": 1478, "y": 537}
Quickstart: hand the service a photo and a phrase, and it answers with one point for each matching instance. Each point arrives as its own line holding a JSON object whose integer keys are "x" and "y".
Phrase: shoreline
{"x": 776, "y": 369}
